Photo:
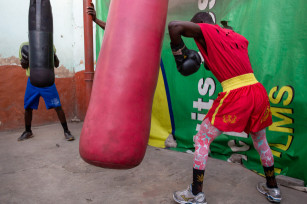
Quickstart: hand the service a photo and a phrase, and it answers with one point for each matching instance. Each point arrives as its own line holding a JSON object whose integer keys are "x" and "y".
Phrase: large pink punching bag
{"x": 117, "y": 123}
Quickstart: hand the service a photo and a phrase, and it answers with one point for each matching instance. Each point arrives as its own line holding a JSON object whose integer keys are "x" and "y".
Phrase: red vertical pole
{"x": 88, "y": 51}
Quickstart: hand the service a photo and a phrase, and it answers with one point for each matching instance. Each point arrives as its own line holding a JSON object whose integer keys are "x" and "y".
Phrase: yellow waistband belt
{"x": 239, "y": 81}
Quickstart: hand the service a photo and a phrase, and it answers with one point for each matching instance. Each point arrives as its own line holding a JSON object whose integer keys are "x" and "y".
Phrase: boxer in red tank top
{"x": 242, "y": 106}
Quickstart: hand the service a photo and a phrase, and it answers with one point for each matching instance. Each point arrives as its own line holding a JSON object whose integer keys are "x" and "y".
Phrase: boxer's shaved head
{"x": 202, "y": 17}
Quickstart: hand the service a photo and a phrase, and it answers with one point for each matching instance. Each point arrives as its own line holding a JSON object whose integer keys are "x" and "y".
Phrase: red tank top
{"x": 227, "y": 54}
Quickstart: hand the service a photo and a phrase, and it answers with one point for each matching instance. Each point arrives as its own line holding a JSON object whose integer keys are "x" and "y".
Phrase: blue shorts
{"x": 49, "y": 94}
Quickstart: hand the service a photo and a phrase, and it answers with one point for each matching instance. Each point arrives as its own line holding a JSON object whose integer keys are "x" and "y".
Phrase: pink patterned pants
{"x": 208, "y": 133}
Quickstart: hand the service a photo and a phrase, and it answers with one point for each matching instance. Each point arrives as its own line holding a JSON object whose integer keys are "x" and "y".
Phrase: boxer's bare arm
{"x": 183, "y": 28}
{"x": 91, "y": 11}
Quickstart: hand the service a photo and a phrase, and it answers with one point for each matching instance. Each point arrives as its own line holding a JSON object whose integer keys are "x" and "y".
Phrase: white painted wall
{"x": 67, "y": 35}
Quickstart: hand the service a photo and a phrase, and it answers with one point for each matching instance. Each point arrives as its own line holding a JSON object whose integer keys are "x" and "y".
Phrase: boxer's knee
{"x": 57, "y": 109}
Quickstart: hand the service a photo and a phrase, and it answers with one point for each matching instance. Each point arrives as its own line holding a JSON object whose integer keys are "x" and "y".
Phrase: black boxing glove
{"x": 25, "y": 52}
{"x": 180, "y": 53}
{"x": 24, "y": 61}
{"x": 56, "y": 61}
{"x": 191, "y": 64}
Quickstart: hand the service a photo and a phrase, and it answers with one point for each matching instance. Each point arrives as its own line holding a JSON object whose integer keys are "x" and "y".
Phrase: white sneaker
{"x": 187, "y": 197}
{"x": 272, "y": 194}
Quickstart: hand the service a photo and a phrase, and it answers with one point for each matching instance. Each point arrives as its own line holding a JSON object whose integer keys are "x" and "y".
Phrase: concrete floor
{"x": 47, "y": 169}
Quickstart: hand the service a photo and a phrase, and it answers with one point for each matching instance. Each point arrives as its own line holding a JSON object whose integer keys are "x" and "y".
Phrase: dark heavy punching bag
{"x": 41, "y": 43}
{"x": 116, "y": 128}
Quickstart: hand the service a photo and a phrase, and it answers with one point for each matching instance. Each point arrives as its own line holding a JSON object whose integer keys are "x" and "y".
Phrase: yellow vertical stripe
{"x": 217, "y": 109}
{"x": 160, "y": 119}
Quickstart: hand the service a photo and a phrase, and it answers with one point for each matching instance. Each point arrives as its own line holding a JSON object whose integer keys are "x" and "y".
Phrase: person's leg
{"x": 270, "y": 188}
{"x": 52, "y": 100}
{"x": 31, "y": 101}
{"x": 62, "y": 118}
{"x": 202, "y": 140}
{"x": 266, "y": 156}
{"x": 28, "y": 120}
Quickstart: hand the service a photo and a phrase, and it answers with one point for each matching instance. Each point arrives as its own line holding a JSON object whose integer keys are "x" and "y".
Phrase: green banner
{"x": 102, "y": 8}
{"x": 276, "y": 31}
